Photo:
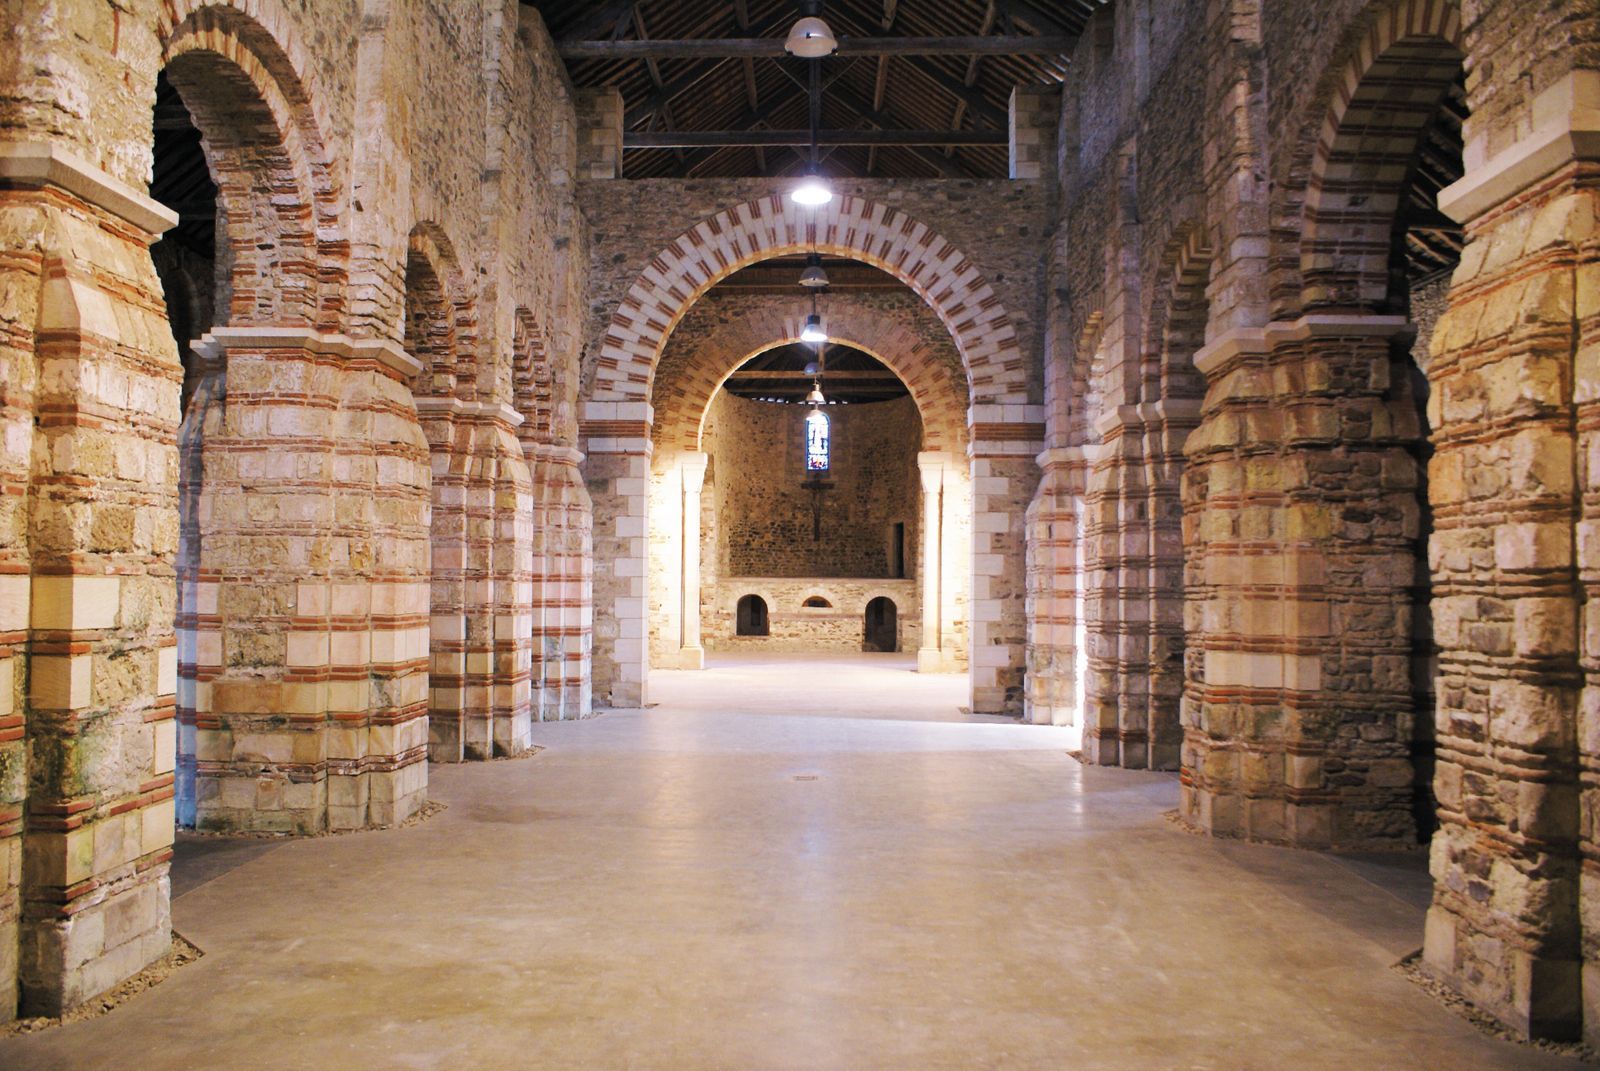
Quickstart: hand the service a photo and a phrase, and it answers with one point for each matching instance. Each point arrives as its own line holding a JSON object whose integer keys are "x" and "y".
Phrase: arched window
{"x": 751, "y": 616}
{"x": 816, "y": 441}
{"x": 817, "y": 602}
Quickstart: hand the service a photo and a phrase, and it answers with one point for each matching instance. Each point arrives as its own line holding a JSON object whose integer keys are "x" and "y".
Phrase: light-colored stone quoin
{"x": 1252, "y": 432}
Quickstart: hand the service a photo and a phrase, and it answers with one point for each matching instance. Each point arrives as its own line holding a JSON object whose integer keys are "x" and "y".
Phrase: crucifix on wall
{"x": 816, "y": 484}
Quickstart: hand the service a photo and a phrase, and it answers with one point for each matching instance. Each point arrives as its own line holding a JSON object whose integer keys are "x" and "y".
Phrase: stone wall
{"x": 756, "y": 520}
{"x": 763, "y": 510}
{"x": 793, "y": 626}
{"x": 326, "y": 486}
{"x": 916, "y": 231}
{"x": 1223, "y": 319}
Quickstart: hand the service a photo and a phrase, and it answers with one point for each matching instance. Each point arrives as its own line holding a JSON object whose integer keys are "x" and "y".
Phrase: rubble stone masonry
{"x": 1208, "y": 470}
{"x": 368, "y": 539}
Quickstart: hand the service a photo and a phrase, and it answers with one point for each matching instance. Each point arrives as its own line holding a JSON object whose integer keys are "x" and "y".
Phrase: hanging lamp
{"x": 813, "y": 277}
{"x": 812, "y": 191}
{"x": 810, "y": 38}
{"x": 812, "y": 331}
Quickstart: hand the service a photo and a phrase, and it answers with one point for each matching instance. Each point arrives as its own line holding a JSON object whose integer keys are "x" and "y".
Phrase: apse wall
{"x": 763, "y": 507}
{"x": 757, "y": 512}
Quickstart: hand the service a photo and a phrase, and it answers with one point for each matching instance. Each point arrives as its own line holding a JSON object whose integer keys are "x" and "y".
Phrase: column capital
{"x": 43, "y": 163}
{"x": 692, "y": 463}
{"x": 386, "y": 353}
{"x": 1566, "y": 127}
{"x": 1245, "y": 342}
{"x": 931, "y": 464}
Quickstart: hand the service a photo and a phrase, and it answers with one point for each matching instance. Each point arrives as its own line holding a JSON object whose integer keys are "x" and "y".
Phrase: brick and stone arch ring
{"x": 850, "y": 226}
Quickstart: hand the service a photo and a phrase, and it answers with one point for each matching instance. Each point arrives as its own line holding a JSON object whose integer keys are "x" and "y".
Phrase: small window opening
{"x": 751, "y": 616}
{"x": 817, "y": 602}
{"x": 881, "y": 632}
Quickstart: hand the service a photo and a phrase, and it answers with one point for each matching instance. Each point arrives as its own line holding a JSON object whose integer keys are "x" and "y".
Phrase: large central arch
{"x": 683, "y": 394}
{"x": 1005, "y": 430}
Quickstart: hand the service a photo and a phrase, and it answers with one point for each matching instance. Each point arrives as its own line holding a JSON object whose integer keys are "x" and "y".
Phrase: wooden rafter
{"x": 772, "y": 48}
{"x": 749, "y": 138}
{"x": 884, "y": 120}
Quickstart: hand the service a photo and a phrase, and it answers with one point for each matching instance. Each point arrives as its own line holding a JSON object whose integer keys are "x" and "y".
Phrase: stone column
{"x": 1300, "y": 574}
{"x": 306, "y": 636}
{"x": 1515, "y": 490}
{"x": 482, "y": 579}
{"x": 1135, "y": 627}
{"x": 88, "y": 666}
{"x": 690, "y": 654}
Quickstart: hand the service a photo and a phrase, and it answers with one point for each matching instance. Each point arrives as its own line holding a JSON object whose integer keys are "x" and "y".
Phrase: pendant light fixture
{"x": 812, "y": 191}
{"x": 811, "y": 39}
{"x": 813, "y": 277}
{"x": 812, "y": 331}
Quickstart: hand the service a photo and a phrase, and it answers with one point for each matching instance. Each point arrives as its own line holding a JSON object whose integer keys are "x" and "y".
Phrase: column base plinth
{"x": 688, "y": 658}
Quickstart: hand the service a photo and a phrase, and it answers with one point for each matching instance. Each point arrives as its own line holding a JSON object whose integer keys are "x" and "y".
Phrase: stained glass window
{"x": 816, "y": 441}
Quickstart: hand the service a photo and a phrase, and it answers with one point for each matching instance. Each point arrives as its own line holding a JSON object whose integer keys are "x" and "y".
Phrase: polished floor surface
{"x": 787, "y": 864}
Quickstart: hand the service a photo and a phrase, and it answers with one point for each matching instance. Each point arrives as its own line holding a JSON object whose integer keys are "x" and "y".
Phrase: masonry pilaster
{"x": 691, "y": 655}
{"x": 1055, "y": 591}
{"x": 930, "y": 467}
{"x": 616, "y": 437}
{"x": 1005, "y": 441}
{"x": 562, "y": 584}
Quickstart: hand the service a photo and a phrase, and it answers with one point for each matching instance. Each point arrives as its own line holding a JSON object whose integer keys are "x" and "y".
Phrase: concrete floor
{"x": 787, "y": 866}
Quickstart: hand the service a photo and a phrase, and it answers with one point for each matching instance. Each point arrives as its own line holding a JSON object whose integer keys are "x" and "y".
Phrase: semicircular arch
{"x": 277, "y": 186}
{"x": 1378, "y": 102}
{"x": 849, "y": 226}
{"x": 940, "y": 396}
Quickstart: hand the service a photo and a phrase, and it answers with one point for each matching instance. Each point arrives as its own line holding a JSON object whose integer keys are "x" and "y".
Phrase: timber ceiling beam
{"x": 772, "y": 48}
{"x": 884, "y": 376}
{"x": 607, "y": 18}
{"x": 676, "y": 87}
{"x": 885, "y": 121}
{"x": 717, "y": 139}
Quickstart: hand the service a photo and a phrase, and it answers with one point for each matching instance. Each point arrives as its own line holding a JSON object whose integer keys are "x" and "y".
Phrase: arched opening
{"x": 880, "y": 627}
{"x": 1398, "y": 143}
{"x": 186, "y": 262}
{"x": 430, "y": 338}
{"x": 230, "y": 149}
{"x": 734, "y": 471}
{"x": 751, "y": 616}
{"x": 1424, "y": 250}
{"x": 1348, "y": 717}
{"x": 559, "y": 670}
{"x": 817, "y": 602}
{"x": 626, "y": 388}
